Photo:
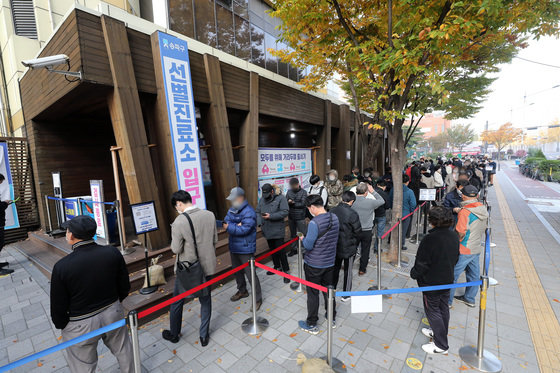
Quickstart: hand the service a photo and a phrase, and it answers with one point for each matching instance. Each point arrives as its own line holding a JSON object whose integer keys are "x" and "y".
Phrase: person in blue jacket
{"x": 408, "y": 205}
{"x": 241, "y": 225}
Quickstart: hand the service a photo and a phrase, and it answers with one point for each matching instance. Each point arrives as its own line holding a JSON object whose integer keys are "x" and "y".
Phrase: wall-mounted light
{"x": 292, "y": 135}
{"x": 51, "y": 61}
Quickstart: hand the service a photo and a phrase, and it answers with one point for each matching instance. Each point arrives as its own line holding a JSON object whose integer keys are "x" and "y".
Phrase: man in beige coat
{"x": 182, "y": 245}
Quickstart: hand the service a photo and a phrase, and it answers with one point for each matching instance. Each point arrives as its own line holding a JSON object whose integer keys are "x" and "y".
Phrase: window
{"x": 283, "y": 67}
{"x": 181, "y": 17}
{"x": 271, "y": 61}
{"x": 24, "y": 18}
{"x": 240, "y": 8}
{"x": 226, "y": 35}
{"x": 205, "y": 22}
{"x": 242, "y": 38}
{"x": 257, "y": 46}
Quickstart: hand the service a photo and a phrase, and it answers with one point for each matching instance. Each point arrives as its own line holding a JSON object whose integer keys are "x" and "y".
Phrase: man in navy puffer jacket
{"x": 241, "y": 225}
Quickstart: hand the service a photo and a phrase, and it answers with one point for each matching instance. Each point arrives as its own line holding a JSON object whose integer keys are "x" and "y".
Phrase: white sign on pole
{"x": 367, "y": 304}
{"x": 96, "y": 188}
{"x": 427, "y": 195}
{"x": 144, "y": 217}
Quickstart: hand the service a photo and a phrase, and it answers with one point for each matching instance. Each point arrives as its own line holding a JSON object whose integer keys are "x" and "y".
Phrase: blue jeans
{"x": 379, "y": 222}
{"x": 176, "y": 312}
{"x": 471, "y": 265}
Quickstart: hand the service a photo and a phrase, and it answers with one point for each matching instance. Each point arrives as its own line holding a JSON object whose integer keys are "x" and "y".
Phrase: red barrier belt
{"x": 264, "y": 256}
{"x": 293, "y": 278}
{"x": 166, "y": 303}
{"x": 397, "y": 223}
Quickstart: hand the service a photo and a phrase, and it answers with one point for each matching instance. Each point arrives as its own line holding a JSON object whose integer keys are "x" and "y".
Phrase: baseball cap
{"x": 234, "y": 193}
{"x": 470, "y": 191}
{"x": 266, "y": 188}
{"x": 82, "y": 226}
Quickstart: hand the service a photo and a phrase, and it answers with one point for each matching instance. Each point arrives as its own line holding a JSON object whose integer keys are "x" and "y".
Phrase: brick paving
{"x": 380, "y": 342}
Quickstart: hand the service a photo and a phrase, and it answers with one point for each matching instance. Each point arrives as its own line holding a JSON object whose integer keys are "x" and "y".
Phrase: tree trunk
{"x": 398, "y": 156}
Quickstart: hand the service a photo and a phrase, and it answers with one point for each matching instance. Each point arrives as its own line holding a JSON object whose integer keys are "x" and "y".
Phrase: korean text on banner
{"x": 181, "y": 112}
{"x": 279, "y": 165}
{"x": 7, "y": 188}
{"x": 96, "y": 187}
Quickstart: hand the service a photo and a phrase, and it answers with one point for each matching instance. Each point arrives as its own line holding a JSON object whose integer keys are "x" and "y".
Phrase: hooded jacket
{"x": 242, "y": 229}
{"x": 334, "y": 189}
{"x": 349, "y": 229}
{"x": 471, "y": 225}
{"x": 427, "y": 180}
{"x": 297, "y": 208}
{"x": 277, "y": 207}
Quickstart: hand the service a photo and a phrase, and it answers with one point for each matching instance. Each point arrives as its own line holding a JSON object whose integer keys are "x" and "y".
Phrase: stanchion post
{"x": 48, "y": 213}
{"x": 379, "y": 263}
{"x": 419, "y": 212}
{"x": 479, "y": 358}
{"x": 254, "y": 325}
{"x": 400, "y": 233}
{"x": 149, "y": 289}
{"x": 79, "y": 202}
{"x": 330, "y": 319}
{"x": 297, "y": 286}
{"x": 425, "y": 227}
{"x": 133, "y": 324}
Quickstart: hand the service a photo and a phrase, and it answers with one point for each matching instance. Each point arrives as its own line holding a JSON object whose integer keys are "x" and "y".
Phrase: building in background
{"x": 431, "y": 125}
{"x": 25, "y": 27}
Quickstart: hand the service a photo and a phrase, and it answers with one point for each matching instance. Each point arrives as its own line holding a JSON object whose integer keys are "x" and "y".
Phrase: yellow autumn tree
{"x": 502, "y": 137}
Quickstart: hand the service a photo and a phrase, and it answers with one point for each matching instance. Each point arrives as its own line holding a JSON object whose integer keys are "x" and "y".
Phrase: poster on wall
{"x": 181, "y": 114}
{"x": 7, "y": 189}
{"x": 97, "y": 195}
{"x": 279, "y": 165}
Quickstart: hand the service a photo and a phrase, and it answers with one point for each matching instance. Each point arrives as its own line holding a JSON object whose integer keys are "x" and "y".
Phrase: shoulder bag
{"x": 189, "y": 274}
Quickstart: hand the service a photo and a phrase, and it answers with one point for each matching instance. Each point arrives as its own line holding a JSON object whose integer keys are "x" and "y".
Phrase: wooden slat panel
{"x": 324, "y": 142}
{"x": 236, "y": 86}
{"x": 249, "y": 140}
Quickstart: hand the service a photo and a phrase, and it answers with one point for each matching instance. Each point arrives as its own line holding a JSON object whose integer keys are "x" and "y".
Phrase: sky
{"x": 506, "y": 102}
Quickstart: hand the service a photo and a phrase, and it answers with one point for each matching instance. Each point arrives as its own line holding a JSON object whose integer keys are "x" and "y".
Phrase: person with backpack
{"x": 297, "y": 213}
{"x": 271, "y": 211}
{"x": 318, "y": 187}
{"x": 320, "y": 244}
{"x": 350, "y": 229}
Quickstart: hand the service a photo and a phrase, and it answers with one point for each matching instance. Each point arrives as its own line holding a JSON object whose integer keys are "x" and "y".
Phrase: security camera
{"x": 46, "y": 62}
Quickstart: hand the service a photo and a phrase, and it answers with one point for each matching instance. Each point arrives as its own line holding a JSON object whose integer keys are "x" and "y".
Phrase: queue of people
{"x": 334, "y": 221}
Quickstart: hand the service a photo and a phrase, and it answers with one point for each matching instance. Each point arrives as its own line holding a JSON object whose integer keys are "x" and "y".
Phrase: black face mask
{"x": 295, "y": 189}
{"x": 268, "y": 196}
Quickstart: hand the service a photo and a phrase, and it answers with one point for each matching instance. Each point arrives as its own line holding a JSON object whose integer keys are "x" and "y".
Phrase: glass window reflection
{"x": 205, "y": 22}
{"x": 226, "y": 35}
{"x": 271, "y": 61}
{"x": 181, "y": 17}
{"x": 257, "y": 46}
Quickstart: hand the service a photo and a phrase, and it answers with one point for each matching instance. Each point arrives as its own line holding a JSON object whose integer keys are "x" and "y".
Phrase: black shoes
{"x": 5, "y": 271}
{"x": 259, "y": 304}
{"x": 166, "y": 334}
{"x": 271, "y": 273}
{"x": 237, "y": 296}
{"x": 461, "y": 298}
{"x": 204, "y": 341}
{"x": 286, "y": 280}
{"x": 4, "y": 264}
{"x": 404, "y": 248}
{"x": 292, "y": 253}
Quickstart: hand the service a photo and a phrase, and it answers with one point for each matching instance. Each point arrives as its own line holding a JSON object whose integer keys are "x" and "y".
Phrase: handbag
{"x": 189, "y": 274}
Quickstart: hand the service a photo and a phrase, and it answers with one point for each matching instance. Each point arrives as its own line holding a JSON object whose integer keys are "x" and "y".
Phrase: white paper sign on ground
{"x": 367, "y": 303}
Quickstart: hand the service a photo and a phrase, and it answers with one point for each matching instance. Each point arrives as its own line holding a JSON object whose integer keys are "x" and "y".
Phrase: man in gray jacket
{"x": 271, "y": 211}
{"x": 182, "y": 244}
{"x": 365, "y": 207}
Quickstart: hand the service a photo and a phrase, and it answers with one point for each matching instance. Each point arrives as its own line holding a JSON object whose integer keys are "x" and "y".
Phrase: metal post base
{"x": 337, "y": 365}
{"x": 297, "y": 287}
{"x": 489, "y": 363}
{"x": 252, "y": 328}
{"x": 492, "y": 281}
{"x": 148, "y": 290}
{"x": 128, "y": 250}
{"x": 413, "y": 240}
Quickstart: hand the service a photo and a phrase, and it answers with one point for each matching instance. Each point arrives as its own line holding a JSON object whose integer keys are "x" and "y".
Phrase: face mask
{"x": 332, "y": 178}
{"x": 366, "y": 174}
{"x": 312, "y": 214}
{"x": 295, "y": 189}
{"x": 268, "y": 196}
{"x": 459, "y": 193}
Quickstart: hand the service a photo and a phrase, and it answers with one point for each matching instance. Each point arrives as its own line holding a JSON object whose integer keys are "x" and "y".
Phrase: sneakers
{"x": 5, "y": 271}
{"x": 311, "y": 329}
{"x": 461, "y": 298}
{"x": 166, "y": 334}
{"x": 239, "y": 295}
{"x": 428, "y": 332}
{"x": 345, "y": 299}
{"x": 431, "y": 348}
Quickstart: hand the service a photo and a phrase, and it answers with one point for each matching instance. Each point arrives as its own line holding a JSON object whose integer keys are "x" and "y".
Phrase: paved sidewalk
{"x": 364, "y": 342}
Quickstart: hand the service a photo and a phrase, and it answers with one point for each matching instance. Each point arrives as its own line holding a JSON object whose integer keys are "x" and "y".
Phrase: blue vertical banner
{"x": 182, "y": 121}
{"x": 7, "y": 188}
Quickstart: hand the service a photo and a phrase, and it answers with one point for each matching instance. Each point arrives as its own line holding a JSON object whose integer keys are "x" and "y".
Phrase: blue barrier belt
{"x": 407, "y": 290}
{"x": 63, "y": 345}
{"x": 75, "y": 200}
{"x": 487, "y": 253}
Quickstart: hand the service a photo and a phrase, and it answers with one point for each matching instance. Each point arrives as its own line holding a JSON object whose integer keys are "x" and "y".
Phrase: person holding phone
{"x": 271, "y": 211}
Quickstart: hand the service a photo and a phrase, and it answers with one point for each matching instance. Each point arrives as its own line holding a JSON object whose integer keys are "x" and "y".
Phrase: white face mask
{"x": 332, "y": 178}
{"x": 366, "y": 174}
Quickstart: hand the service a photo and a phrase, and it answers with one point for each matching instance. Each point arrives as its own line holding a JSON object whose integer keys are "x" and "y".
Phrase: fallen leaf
{"x": 174, "y": 352}
{"x": 463, "y": 367}
{"x": 351, "y": 354}
{"x": 556, "y": 300}
{"x": 39, "y": 364}
{"x": 386, "y": 347}
{"x": 293, "y": 335}
{"x": 364, "y": 330}
{"x": 59, "y": 338}
{"x": 342, "y": 339}
{"x": 169, "y": 361}
{"x": 275, "y": 340}
{"x": 219, "y": 361}
{"x": 352, "y": 365}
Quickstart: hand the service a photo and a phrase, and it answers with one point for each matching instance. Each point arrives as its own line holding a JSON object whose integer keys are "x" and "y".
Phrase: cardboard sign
{"x": 367, "y": 304}
{"x": 144, "y": 217}
{"x": 427, "y": 195}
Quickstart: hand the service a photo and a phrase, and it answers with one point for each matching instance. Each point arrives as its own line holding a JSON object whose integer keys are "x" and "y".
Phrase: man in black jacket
{"x": 296, "y": 215}
{"x": 347, "y": 246}
{"x": 435, "y": 263}
{"x": 381, "y": 212}
{"x": 454, "y": 198}
{"x": 87, "y": 288}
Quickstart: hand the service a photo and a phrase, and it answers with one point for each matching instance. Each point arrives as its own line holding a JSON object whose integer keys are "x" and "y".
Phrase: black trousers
{"x": 236, "y": 261}
{"x": 295, "y": 227}
{"x": 319, "y": 276}
{"x": 348, "y": 264}
{"x": 364, "y": 238}
{"x": 2, "y": 242}
{"x": 280, "y": 259}
{"x": 437, "y": 312}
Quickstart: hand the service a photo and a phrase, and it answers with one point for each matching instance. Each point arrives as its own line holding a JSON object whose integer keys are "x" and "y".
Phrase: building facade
{"x": 432, "y": 125}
